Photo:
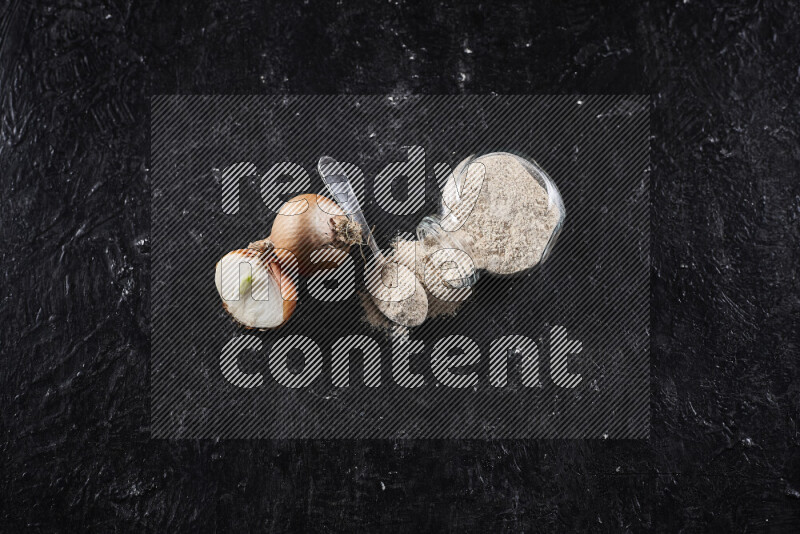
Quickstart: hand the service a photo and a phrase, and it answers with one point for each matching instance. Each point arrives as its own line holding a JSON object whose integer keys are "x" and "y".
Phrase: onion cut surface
{"x": 254, "y": 289}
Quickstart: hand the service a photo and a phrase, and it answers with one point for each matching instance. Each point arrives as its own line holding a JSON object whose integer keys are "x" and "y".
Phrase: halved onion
{"x": 255, "y": 289}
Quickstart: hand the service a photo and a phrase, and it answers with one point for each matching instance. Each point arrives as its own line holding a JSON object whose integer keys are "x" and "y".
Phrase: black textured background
{"x": 75, "y": 80}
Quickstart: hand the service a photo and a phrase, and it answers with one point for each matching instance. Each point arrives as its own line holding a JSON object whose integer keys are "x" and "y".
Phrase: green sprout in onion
{"x": 245, "y": 284}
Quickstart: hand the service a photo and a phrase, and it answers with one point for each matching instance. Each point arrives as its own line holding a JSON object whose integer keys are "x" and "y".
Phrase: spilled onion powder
{"x": 416, "y": 256}
{"x": 411, "y": 310}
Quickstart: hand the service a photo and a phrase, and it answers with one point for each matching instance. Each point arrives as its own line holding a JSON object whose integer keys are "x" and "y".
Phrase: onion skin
{"x": 312, "y": 222}
{"x": 288, "y": 289}
{"x": 304, "y": 224}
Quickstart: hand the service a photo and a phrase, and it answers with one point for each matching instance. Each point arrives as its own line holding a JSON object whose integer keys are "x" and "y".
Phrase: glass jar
{"x": 502, "y": 210}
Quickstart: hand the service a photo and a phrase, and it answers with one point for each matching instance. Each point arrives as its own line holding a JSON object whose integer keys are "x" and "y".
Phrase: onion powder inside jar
{"x": 502, "y": 210}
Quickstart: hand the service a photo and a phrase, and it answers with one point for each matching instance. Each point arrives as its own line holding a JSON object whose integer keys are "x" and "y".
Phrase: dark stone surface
{"x": 724, "y": 451}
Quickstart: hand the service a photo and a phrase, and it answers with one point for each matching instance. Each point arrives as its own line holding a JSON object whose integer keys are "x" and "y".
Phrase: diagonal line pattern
{"x": 594, "y": 289}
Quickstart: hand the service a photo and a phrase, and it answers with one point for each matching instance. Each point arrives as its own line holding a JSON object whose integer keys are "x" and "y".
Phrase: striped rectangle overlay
{"x": 561, "y": 351}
